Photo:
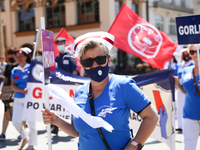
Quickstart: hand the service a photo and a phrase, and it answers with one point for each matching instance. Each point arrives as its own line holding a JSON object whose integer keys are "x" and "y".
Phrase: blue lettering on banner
{"x": 188, "y": 29}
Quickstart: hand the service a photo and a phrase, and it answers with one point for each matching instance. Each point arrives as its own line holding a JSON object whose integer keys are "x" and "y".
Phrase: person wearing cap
{"x": 64, "y": 59}
{"x": 189, "y": 85}
{"x": 186, "y": 61}
{"x": 108, "y": 96}
{"x": 19, "y": 79}
{"x": 11, "y": 52}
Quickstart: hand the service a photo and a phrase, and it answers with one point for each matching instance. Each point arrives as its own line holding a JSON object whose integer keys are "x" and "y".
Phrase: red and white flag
{"x": 138, "y": 37}
{"x": 68, "y": 45}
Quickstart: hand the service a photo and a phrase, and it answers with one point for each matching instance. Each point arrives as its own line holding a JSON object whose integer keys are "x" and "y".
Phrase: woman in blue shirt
{"x": 191, "y": 109}
{"x": 19, "y": 78}
{"x": 113, "y": 97}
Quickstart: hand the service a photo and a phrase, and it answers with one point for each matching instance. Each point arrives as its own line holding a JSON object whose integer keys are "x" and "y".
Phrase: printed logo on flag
{"x": 37, "y": 69}
{"x": 145, "y": 40}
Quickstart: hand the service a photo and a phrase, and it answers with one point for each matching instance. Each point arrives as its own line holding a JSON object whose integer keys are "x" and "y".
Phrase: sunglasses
{"x": 100, "y": 60}
{"x": 193, "y": 51}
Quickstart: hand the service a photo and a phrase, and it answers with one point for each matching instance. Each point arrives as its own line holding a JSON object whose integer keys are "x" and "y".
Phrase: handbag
{"x": 7, "y": 93}
{"x": 9, "y": 111}
{"x": 93, "y": 114}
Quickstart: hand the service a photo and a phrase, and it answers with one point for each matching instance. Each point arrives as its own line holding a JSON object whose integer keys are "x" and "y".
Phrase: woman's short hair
{"x": 11, "y": 50}
{"x": 90, "y": 44}
{"x": 39, "y": 51}
{"x": 183, "y": 51}
{"x": 191, "y": 45}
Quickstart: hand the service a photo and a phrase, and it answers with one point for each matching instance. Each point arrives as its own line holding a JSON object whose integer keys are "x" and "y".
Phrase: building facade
{"x": 20, "y": 18}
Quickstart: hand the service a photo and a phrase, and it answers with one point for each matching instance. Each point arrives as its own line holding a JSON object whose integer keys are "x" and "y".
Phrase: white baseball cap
{"x": 103, "y": 37}
{"x": 26, "y": 50}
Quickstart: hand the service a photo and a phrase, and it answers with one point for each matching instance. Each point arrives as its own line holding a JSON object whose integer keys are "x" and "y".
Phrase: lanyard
{"x": 93, "y": 114}
{"x": 195, "y": 84}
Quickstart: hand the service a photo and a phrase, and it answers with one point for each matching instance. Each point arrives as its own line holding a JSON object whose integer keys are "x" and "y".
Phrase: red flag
{"x": 68, "y": 45}
{"x": 138, "y": 37}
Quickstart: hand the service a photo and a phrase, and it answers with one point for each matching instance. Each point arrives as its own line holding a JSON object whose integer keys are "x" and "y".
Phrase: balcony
{"x": 172, "y": 7}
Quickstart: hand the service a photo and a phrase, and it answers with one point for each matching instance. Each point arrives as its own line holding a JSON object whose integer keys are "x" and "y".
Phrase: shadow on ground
{"x": 10, "y": 142}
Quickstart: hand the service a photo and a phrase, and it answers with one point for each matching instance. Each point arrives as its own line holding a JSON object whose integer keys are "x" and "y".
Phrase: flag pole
{"x": 35, "y": 42}
{"x": 46, "y": 95}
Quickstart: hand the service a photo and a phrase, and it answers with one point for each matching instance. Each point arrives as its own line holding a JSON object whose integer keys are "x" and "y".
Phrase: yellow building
{"x": 20, "y": 18}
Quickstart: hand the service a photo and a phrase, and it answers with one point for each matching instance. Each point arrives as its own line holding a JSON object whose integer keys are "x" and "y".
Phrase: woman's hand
{"x": 49, "y": 117}
{"x": 178, "y": 85}
{"x": 176, "y": 81}
{"x": 24, "y": 124}
{"x": 25, "y": 91}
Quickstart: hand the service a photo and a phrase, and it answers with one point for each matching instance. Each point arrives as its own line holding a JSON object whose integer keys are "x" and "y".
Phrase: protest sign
{"x": 48, "y": 56}
{"x": 35, "y": 99}
{"x": 188, "y": 29}
{"x": 159, "y": 88}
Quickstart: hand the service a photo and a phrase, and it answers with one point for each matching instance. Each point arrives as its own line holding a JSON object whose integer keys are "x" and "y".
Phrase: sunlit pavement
{"x": 65, "y": 142}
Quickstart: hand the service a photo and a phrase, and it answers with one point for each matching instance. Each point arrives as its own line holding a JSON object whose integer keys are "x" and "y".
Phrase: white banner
{"x": 35, "y": 102}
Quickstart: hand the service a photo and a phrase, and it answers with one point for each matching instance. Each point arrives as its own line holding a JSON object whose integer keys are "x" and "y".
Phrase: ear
{"x": 109, "y": 61}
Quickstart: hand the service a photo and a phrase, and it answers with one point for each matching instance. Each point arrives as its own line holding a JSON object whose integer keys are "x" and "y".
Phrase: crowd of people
{"x": 15, "y": 75}
{"x": 187, "y": 97}
{"x": 104, "y": 89}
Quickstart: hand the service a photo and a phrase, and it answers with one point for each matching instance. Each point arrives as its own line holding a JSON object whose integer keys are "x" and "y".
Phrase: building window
{"x": 135, "y": 7}
{"x": 171, "y": 1}
{"x": 159, "y": 23}
{"x": 55, "y": 14}
{"x": 88, "y": 11}
{"x": 172, "y": 26}
{"x": 26, "y": 18}
{"x": 3, "y": 6}
{"x": 183, "y": 3}
{"x": 118, "y": 5}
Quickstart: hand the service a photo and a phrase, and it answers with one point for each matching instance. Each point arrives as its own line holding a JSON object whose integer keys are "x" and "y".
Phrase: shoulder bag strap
{"x": 195, "y": 84}
{"x": 93, "y": 114}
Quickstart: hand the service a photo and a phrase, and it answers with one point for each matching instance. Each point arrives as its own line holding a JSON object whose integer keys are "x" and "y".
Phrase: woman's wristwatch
{"x": 137, "y": 145}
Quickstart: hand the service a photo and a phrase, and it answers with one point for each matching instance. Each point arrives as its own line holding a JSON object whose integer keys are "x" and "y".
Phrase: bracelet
{"x": 137, "y": 145}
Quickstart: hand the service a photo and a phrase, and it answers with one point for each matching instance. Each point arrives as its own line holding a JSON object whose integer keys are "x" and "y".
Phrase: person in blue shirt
{"x": 19, "y": 79}
{"x": 64, "y": 59}
{"x": 189, "y": 85}
{"x": 186, "y": 61}
{"x": 113, "y": 97}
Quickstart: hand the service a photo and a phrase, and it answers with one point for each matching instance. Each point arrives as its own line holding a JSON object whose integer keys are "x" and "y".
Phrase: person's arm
{"x": 17, "y": 89}
{"x": 150, "y": 119}
{"x": 1, "y": 86}
{"x": 178, "y": 85}
{"x": 66, "y": 125}
{"x": 75, "y": 72}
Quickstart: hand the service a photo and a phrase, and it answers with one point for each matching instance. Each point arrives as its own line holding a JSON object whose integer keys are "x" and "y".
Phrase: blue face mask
{"x": 61, "y": 47}
{"x": 98, "y": 74}
{"x": 39, "y": 58}
{"x": 186, "y": 58}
